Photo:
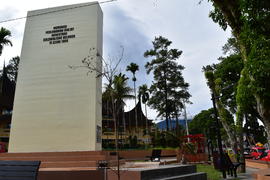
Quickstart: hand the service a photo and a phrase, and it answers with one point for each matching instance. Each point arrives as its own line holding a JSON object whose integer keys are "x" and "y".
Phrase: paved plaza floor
{"x": 247, "y": 175}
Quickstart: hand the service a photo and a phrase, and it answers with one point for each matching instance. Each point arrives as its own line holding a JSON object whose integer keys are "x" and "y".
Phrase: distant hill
{"x": 162, "y": 124}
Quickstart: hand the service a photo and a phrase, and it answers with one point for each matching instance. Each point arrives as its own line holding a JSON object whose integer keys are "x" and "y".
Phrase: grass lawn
{"x": 212, "y": 174}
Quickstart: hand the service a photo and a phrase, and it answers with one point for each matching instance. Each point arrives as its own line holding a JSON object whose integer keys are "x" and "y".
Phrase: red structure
{"x": 198, "y": 140}
{"x": 256, "y": 152}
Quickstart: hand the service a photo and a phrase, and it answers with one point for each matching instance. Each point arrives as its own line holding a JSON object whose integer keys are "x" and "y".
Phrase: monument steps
{"x": 163, "y": 172}
{"x": 76, "y": 164}
{"x": 167, "y": 171}
{"x": 69, "y": 164}
{"x": 63, "y": 159}
{"x": 56, "y": 158}
{"x": 59, "y": 154}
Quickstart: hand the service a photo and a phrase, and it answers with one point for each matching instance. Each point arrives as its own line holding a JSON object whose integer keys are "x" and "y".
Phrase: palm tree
{"x": 144, "y": 95}
{"x": 133, "y": 68}
{"x": 116, "y": 91}
{"x": 4, "y": 34}
{"x": 120, "y": 92}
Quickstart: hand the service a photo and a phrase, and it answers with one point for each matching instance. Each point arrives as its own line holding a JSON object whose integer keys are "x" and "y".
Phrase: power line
{"x": 59, "y": 10}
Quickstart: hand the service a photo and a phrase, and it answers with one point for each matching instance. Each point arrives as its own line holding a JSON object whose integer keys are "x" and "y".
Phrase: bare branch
{"x": 109, "y": 69}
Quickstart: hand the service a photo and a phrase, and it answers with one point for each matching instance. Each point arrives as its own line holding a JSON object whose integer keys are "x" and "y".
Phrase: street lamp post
{"x": 221, "y": 154}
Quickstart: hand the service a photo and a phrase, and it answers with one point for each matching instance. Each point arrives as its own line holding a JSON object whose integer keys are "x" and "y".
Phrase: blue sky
{"x": 133, "y": 24}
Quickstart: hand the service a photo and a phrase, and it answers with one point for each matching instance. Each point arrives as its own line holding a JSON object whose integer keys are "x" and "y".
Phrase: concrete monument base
{"x": 84, "y": 166}
{"x": 80, "y": 165}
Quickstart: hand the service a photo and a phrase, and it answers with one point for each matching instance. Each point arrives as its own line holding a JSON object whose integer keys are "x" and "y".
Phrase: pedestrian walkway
{"x": 247, "y": 175}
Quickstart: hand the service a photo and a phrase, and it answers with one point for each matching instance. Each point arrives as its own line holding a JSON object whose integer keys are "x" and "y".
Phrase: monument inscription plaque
{"x": 59, "y": 34}
{"x": 57, "y": 108}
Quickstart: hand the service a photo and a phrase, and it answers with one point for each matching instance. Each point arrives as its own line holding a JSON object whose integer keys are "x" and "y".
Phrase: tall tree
{"x": 120, "y": 92}
{"x": 226, "y": 123}
{"x": 227, "y": 81}
{"x": 179, "y": 94}
{"x": 168, "y": 88}
{"x": 4, "y": 39}
{"x": 12, "y": 68}
{"x": 250, "y": 24}
{"x": 144, "y": 96}
{"x": 133, "y": 68}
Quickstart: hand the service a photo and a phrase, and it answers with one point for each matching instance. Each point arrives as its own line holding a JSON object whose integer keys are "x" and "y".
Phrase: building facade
{"x": 128, "y": 130}
{"x": 57, "y": 108}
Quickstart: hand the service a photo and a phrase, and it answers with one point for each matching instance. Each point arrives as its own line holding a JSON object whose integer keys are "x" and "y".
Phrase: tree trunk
{"x": 239, "y": 129}
{"x": 166, "y": 108}
{"x": 265, "y": 114}
{"x": 177, "y": 124}
{"x": 124, "y": 126}
{"x": 241, "y": 153}
{"x": 115, "y": 123}
{"x": 129, "y": 127}
{"x": 230, "y": 132}
{"x": 136, "y": 118}
{"x": 146, "y": 120}
{"x": 170, "y": 122}
{"x": 116, "y": 136}
{"x": 267, "y": 127}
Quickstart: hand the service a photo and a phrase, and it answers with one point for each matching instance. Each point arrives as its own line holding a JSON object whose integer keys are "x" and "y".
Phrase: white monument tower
{"x": 57, "y": 108}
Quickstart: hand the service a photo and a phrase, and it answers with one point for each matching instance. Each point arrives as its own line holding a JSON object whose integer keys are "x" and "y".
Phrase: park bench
{"x": 231, "y": 166}
{"x": 155, "y": 156}
{"x": 19, "y": 170}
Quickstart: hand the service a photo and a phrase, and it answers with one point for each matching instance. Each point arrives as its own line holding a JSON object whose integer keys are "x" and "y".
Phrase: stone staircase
{"x": 193, "y": 176}
{"x": 164, "y": 172}
{"x": 82, "y": 159}
{"x": 173, "y": 172}
{"x": 83, "y": 165}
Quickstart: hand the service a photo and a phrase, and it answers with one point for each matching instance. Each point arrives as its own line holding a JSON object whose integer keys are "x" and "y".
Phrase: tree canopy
{"x": 133, "y": 67}
{"x": 169, "y": 90}
{"x": 205, "y": 123}
{"x": 4, "y": 39}
{"x": 12, "y": 68}
{"x": 250, "y": 24}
